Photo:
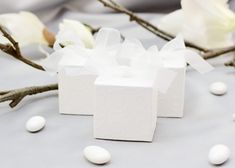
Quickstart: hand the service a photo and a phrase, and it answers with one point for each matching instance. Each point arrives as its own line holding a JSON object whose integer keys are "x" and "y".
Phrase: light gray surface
{"x": 179, "y": 143}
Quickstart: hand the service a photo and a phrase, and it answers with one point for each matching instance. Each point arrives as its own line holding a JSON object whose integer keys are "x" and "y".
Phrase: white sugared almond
{"x": 219, "y": 154}
{"x": 233, "y": 116}
{"x": 96, "y": 155}
{"x": 35, "y": 124}
{"x": 218, "y": 88}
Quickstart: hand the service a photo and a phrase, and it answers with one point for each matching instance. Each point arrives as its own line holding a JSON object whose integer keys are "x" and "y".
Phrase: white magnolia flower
{"x": 24, "y": 27}
{"x": 72, "y": 32}
{"x": 207, "y": 23}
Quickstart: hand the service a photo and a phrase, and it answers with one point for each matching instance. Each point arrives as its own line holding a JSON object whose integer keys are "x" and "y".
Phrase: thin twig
{"x": 217, "y": 52}
{"x": 4, "y": 92}
{"x": 11, "y": 40}
{"x": 206, "y": 53}
{"x": 92, "y": 29}
{"x": 231, "y": 63}
{"x": 16, "y": 95}
{"x": 14, "y": 50}
{"x": 147, "y": 25}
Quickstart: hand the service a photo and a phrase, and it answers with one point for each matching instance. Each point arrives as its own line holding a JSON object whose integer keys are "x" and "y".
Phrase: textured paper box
{"x": 171, "y": 103}
{"x": 125, "y": 109}
{"x": 76, "y": 92}
{"x": 175, "y": 56}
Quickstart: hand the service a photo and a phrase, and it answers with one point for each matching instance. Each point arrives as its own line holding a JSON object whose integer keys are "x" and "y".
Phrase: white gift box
{"x": 170, "y": 74}
{"x": 175, "y": 57}
{"x": 125, "y": 109}
{"x": 78, "y": 68}
{"x": 171, "y": 103}
{"x": 76, "y": 91}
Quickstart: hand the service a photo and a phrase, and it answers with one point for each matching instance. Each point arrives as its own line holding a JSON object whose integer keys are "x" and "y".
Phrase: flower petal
{"x": 25, "y": 28}
{"x": 74, "y": 32}
{"x": 206, "y": 23}
{"x": 173, "y": 22}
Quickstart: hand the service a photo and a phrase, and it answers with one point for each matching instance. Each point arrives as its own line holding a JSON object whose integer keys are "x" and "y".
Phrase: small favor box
{"x": 175, "y": 57}
{"x": 171, "y": 103}
{"x": 125, "y": 109}
{"x": 76, "y": 90}
{"x": 79, "y": 67}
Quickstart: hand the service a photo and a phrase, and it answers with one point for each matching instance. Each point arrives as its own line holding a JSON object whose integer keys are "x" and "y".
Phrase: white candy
{"x": 35, "y": 124}
{"x": 218, "y": 88}
{"x": 233, "y": 116}
{"x": 96, "y": 154}
{"x": 219, "y": 154}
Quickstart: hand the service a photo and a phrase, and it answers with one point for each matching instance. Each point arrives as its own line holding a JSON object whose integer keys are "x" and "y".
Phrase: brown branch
{"x": 231, "y": 63}
{"x": 92, "y": 29}
{"x": 16, "y": 95}
{"x": 14, "y": 50}
{"x": 217, "y": 52}
{"x": 11, "y": 40}
{"x": 147, "y": 25}
{"x": 205, "y": 53}
{"x": 4, "y": 92}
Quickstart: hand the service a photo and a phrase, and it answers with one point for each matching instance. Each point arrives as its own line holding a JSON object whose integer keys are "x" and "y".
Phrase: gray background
{"x": 178, "y": 142}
